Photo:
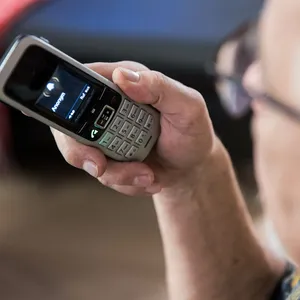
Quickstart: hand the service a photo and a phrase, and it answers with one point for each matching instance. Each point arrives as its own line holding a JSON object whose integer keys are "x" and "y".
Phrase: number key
{"x": 125, "y": 107}
{"x": 124, "y": 148}
{"x": 133, "y": 112}
{"x": 133, "y": 150}
{"x": 141, "y": 117}
{"x": 149, "y": 122}
{"x": 125, "y": 129}
{"x": 133, "y": 133}
{"x": 141, "y": 139}
{"x": 115, "y": 144}
{"x": 107, "y": 138}
{"x": 116, "y": 124}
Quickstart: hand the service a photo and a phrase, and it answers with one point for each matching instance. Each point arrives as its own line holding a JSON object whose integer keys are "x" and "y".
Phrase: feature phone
{"x": 57, "y": 90}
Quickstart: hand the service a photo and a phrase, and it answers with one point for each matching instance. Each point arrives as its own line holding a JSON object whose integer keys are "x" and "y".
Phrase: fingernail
{"x": 90, "y": 168}
{"x": 130, "y": 75}
{"x": 153, "y": 189}
{"x": 142, "y": 181}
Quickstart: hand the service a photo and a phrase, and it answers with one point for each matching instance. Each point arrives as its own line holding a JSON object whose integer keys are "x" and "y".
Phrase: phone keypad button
{"x": 125, "y": 129}
{"x": 133, "y": 150}
{"x": 133, "y": 112}
{"x": 133, "y": 133}
{"x": 123, "y": 149}
{"x": 92, "y": 133}
{"x": 116, "y": 125}
{"x": 104, "y": 117}
{"x": 141, "y": 139}
{"x": 107, "y": 138}
{"x": 141, "y": 118}
{"x": 115, "y": 144}
{"x": 125, "y": 108}
{"x": 149, "y": 122}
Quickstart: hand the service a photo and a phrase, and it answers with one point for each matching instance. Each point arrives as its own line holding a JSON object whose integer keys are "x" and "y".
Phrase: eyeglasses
{"x": 236, "y": 100}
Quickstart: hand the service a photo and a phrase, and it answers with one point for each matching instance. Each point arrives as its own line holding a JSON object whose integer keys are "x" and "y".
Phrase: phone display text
{"x": 64, "y": 94}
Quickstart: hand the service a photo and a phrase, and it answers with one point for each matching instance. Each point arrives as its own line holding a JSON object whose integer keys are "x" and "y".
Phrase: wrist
{"x": 216, "y": 164}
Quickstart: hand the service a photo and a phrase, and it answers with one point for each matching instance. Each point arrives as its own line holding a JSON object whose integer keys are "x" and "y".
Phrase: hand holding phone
{"x": 55, "y": 89}
{"x": 186, "y": 138}
{"x": 185, "y": 143}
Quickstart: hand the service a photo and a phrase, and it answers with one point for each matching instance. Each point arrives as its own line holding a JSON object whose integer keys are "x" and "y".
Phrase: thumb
{"x": 163, "y": 93}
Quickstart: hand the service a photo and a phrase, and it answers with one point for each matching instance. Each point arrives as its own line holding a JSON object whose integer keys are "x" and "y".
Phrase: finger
{"x": 79, "y": 155}
{"x": 133, "y": 173}
{"x": 165, "y": 94}
{"x": 106, "y": 69}
{"x": 134, "y": 191}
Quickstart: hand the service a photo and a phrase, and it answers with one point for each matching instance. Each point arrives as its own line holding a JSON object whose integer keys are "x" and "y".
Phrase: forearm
{"x": 210, "y": 249}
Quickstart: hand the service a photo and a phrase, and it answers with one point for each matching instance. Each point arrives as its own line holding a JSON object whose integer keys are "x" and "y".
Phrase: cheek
{"x": 259, "y": 152}
{"x": 262, "y": 130}
{"x": 269, "y": 152}
{"x": 277, "y": 158}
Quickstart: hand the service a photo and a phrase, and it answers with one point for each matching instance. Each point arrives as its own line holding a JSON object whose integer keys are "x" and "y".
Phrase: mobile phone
{"x": 62, "y": 93}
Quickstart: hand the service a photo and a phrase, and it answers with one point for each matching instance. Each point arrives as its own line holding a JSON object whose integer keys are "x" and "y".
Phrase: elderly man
{"x": 210, "y": 247}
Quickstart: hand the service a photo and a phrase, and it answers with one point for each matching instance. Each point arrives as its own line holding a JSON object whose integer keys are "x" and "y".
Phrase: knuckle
{"x": 103, "y": 181}
{"x": 194, "y": 113}
{"x": 122, "y": 179}
{"x": 158, "y": 85}
{"x": 118, "y": 178}
{"x": 160, "y": 80}
{"x": 71, "y": 157}
{"x": 129, "y": 191}
{"x": 199, "y": 105}
{"x": 125, "y": 63}
{"x": 115, "y": 180}
{"x": 132, "y": 65}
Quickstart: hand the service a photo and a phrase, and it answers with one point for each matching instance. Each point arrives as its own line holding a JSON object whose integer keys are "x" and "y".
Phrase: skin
{"x": 205, "y": 227}
{"x": 276, "y": 137}
{"x": 252, "y": 81}
{"x": 178, "y": 130}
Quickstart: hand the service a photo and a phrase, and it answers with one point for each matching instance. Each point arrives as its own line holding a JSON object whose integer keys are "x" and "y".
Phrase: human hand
{"x": 187, "y": 137}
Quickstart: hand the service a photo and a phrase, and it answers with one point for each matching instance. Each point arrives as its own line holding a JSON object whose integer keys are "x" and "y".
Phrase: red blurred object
{"x": 10, "y": 12}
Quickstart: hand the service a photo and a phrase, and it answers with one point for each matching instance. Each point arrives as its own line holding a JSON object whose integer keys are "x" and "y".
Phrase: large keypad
{"x": 129, "y": 130}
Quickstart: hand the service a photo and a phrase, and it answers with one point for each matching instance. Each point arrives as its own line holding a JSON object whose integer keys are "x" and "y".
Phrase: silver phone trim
{"x": 12, "y": 58}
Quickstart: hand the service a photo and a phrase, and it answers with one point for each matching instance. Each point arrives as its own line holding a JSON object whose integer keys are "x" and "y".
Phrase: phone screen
{"x": 48, "y": 85}
{"x": 64, "y": 94}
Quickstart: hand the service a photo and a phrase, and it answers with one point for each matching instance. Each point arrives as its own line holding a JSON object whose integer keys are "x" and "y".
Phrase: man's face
{"x": 276, "y": 136}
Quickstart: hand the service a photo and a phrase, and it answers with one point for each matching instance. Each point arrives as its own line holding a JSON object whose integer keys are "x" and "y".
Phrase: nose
{"x": 252, "y": 80}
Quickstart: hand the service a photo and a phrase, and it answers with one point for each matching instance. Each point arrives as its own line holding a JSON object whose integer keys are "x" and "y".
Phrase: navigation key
{"x": 104, "y": 117}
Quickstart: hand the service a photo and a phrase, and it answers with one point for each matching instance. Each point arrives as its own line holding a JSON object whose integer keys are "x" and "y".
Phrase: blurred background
{"x": 63, "y": 235}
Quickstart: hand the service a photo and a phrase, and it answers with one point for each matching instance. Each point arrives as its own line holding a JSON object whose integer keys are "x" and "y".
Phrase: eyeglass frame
{"x": 289, "y": 111}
